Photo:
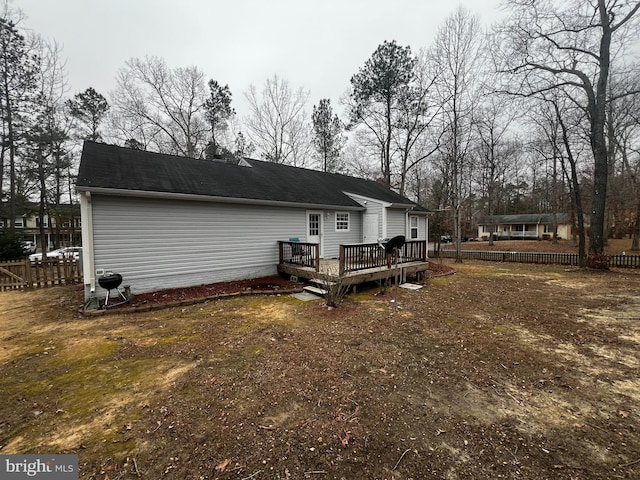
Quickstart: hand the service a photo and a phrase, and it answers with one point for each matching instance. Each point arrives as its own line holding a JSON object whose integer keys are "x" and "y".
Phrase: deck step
{"x": 321, "y": 282}
{"x": 315, "y": 290}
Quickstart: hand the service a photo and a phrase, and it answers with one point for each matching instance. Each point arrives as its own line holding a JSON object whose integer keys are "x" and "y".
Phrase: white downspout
{"x": 86, "y": 218}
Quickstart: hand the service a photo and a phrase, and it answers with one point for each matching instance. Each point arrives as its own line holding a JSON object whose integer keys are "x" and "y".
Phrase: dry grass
{"x": 500, "y": 371}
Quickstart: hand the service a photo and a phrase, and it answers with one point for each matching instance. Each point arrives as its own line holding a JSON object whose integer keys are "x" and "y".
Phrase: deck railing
{"x": 361, "y": 256}
{"x": 300, "y": 253}
{"x": 615, "y": 261}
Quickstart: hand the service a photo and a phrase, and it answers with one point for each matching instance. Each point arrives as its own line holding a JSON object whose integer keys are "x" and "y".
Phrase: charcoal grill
{"x": 111, "y": 281}
{"x": 392, "y": 249}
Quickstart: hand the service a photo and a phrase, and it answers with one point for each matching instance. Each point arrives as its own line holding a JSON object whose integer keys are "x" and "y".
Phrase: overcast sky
{"x": 315, "y": 44}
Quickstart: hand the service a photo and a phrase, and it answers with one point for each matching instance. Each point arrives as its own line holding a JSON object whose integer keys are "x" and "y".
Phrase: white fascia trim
{"x": 212, "y": 199}
{"x": 369, "y": 199}
{"x": 381, "y": 202}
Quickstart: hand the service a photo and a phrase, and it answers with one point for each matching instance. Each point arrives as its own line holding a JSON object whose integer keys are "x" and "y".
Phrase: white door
{"x": 314, "y": 228}
{"x": 370, "y": 228}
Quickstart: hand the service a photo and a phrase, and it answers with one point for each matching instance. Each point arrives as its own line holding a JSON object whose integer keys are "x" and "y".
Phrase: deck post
{"x": 341, "y": 261}
{"x": 317, "y": 247}
{"x": 280, "y": 252}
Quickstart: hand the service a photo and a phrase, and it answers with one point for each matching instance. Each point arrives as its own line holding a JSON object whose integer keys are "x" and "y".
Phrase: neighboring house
{"x": 163, "y": 221}
{"x": 538, "y": 226}
{"x": 61, "y": 225}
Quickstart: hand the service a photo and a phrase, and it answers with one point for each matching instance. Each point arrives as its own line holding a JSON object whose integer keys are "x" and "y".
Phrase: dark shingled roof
{"x": 527, "y": 219}
{"x": 111, "y": 167}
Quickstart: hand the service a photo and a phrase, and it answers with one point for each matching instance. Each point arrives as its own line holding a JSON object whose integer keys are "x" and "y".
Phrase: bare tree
{"x": 278, "y": 125}
{"x": 163, "y": 106}
{"x": 496, "y": 151}
{"x": 457, "y": 50}
{"x": 623, "y": 128}
{"x": 47, "y": 160}
{"x": 569, "y": 46}
{"x": 414, "y": 134}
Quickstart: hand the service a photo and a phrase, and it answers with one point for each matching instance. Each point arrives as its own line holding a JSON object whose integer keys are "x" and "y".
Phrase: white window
{"x": 413, "y": 227}
{"x": 342, "y": 222}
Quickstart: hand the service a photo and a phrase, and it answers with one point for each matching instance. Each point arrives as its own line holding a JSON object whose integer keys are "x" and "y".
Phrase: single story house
{"x": 163, "y": 221}
{"x": 534, "y": 226}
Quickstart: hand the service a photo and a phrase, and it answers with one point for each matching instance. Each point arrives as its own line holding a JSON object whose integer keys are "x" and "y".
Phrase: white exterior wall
{"x": 157, "y": 244}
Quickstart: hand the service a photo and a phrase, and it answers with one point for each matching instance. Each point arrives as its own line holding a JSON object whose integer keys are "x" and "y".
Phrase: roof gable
{"x": 109, "y": 167}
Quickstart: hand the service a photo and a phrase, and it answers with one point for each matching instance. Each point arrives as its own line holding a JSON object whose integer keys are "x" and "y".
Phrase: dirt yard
{"x": 499, "y": 371}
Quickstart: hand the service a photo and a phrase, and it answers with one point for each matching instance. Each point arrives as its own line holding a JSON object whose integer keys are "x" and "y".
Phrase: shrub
{"x": 11, "y": 247}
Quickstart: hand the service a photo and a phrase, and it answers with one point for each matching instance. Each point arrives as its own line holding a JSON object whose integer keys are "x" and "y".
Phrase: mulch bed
{"x": 254, "y": 286}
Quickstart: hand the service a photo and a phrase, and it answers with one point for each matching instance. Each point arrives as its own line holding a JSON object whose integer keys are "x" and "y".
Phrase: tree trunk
{"x": 599, "y": 147}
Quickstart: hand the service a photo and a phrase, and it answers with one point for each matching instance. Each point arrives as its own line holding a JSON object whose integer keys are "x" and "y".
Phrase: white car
{"x": 29, "y": 247}
{"x": 64, "y": 252}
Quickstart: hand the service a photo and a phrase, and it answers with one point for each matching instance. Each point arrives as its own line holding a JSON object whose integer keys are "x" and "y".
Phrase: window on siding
{"x": 342, "y": 222}
{"x": 413, "y": 227}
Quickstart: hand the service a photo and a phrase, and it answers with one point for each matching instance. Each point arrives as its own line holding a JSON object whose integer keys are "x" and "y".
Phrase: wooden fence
{"x": 25, "y": 274}
{"x": 615, "y": 261}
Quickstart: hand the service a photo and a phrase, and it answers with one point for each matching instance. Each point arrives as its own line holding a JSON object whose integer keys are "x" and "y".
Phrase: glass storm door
{"x": 314, "y": 227}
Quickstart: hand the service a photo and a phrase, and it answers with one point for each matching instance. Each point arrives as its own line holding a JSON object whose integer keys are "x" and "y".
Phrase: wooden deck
{"x": 360, "y": 263}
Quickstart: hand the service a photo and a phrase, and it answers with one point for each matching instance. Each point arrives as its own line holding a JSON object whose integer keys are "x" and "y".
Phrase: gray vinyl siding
{"x": 157, "y": 244}
{"x": 333, "y": 239}
{"x": 396, "y": 222}
{"x": 372, "y": 206}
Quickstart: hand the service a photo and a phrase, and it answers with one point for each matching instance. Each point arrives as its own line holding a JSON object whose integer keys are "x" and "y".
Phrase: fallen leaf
{"x": 222, "y": 466}
{"x": 440, "y": 432}
{"x": 623, "y": 414}
{"x": 345, "y": 440}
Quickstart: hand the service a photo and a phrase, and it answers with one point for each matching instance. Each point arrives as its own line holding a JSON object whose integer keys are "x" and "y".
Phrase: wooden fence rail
{"x": 618, "y": 261}
{"x": 21, "y": 274}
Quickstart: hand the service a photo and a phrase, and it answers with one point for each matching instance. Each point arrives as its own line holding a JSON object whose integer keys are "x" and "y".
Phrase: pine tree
{"x": 327, "y": 135}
